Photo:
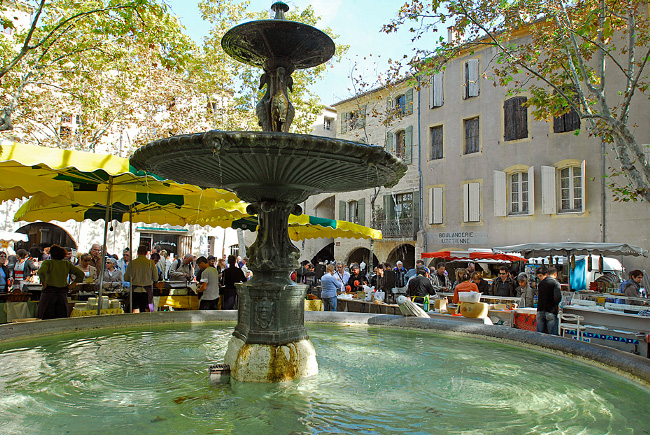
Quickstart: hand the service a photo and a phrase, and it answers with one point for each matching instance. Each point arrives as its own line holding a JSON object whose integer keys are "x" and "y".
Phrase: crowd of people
{"x": 59, "y": 271}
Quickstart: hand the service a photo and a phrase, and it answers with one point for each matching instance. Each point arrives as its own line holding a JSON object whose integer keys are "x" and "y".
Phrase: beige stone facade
{"x": 484, "y": 173}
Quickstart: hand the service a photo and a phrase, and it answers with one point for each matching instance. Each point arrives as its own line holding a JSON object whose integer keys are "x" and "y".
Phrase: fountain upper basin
{"x": 270, "y": 165}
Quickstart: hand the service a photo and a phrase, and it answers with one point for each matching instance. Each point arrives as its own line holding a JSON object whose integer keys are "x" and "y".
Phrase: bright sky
{"x": 357, "y": 22}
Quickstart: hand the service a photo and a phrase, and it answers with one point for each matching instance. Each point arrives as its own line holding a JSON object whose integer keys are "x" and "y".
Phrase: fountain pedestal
{"x": 273, "y": 170}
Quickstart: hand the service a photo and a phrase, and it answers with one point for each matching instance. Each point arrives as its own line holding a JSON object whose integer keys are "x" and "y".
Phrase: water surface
{"x": 371, "y": 380}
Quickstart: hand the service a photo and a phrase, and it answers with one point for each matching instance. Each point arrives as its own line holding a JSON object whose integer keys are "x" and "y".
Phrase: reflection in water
{"x": 371, "y": 380}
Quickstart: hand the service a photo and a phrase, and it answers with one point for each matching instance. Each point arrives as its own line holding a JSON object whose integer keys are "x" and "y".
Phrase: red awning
{"x": 468, "y": 256}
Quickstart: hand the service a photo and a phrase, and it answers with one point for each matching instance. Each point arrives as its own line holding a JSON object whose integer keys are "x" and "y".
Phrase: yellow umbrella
{"x": 29, "y": 169}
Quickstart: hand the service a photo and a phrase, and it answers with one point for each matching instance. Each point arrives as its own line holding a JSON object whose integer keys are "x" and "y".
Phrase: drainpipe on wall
{"x": 420, "y": 223}
{"x": 603, "y": 192}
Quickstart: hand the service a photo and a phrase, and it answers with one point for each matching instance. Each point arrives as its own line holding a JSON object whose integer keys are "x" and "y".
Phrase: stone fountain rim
{"x": 627, "y": 365}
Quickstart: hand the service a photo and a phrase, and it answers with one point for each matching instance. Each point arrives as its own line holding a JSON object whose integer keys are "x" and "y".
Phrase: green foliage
{"x": 565, "y": 54}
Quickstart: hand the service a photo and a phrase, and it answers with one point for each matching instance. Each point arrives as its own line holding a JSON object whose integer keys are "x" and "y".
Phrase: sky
{"x": 358, "y": 24}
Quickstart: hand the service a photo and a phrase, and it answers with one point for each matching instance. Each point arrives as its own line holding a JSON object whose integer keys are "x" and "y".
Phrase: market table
{"x": 83, "y": 313}
{"x": 179, "y": 302}
{"x": 314, "y": 305}
{"x": 10, "y": 311}
{"x": 525, "y": 318}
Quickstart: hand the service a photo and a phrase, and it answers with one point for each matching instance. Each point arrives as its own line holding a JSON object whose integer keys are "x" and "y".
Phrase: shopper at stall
{"x": 54, "y": 275}
{"x": 400, "y": 275}
{"x": 525, "y": 291}
{"x": 331, "y": 285}
{"x": 503, "y": 285}
{"x": 231, "y": 276}
{"x": 23, "y": 269}
{"x": 209, "y": 288}
{"x": 548, "y": 301}
{"x": 465, "y": 285}
{"x": 633, "y": 286}
{"x": 420, "y": 285}
{"x": 182, "y": 269}
{"x": 90, "y": 273}
{"x": 123, "y": 262}
{"x": 5, "y": 274}
{"x": 96, "y": 254}
{"x": 112, "y": 275}
{"x": 142, "y": 273}
{"x": 483, "y": 285}
{"x": 356, "y": 280}
{"x": 439, "y": 279}
{"x": 342, "y": 274}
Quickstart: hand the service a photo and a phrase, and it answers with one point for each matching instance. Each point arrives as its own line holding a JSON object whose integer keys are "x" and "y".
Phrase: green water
{"x": 371, "y": 380}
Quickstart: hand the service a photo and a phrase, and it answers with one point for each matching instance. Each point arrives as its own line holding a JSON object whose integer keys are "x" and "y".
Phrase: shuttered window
{"x": 548, "y": 190}
{"x": 515, "y": 115}
{"x": 471, "y": 82}
{"x": 436, "y": 142}
{"x": 572, "y": 188}
{"x": 471, "y": 135}
{"x": 519, "y": 193}
{"x": 570, "y": 121}
{"x": 436, "y": 214}
{"x": 472, "y": 202}
{"x": 401, "y": 144}
{"x": 436, "y": 91}
{"x": 353, "y": 212}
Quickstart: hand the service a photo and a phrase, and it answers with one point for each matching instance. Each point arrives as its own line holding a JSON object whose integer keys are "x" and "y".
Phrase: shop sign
{"x": 460, "y": 237}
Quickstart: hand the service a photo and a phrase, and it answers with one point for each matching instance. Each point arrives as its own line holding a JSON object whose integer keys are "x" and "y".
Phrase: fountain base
{"x": 268, "y": 363}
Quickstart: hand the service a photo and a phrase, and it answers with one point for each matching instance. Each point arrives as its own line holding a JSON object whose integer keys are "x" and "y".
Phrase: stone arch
{"x": 405, "y": 253}
{"x": 327, "y": 253}
{"x": 44, "y": 234}
{"x": 361, "y": 254}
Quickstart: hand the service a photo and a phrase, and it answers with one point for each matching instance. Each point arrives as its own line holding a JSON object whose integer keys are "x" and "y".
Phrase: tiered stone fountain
{"x": 275, "y": 171}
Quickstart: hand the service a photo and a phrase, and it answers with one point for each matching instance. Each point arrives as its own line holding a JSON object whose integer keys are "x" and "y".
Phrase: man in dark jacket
{"x": 420, "y": 285}
{"x": 230, "y": 277}
{"x": 503, "y": 285}
{"x": 549, "y": 295}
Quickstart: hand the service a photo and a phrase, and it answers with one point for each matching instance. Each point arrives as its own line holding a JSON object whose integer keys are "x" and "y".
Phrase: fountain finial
{"x": 279, "y": 8}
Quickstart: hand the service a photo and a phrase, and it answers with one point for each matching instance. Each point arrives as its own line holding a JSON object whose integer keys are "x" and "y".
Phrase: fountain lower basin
{"x": 147, "y": 373}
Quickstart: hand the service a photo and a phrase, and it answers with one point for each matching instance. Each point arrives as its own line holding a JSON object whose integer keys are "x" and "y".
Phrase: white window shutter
{"x": 431, "y": 209}
{"x": 473, "y": 78}
{"x": 465, "y": 202}
{"x": 583, "y": 184}
{"x": 474, "y": 202}
{"x": 500, "y": 193}
{"x": 437, "y": 214}
{"x": 531, "y": 190}
{"x": 436, "y": 96}
{"x": 549, "y": 205}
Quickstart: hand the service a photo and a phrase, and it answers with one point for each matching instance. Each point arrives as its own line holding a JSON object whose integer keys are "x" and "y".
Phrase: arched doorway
{"x": 404, "y": 253}
{"x": 362, "y": 254}
{"x": 43, "y": 234}
{"x": 327, "y": 253}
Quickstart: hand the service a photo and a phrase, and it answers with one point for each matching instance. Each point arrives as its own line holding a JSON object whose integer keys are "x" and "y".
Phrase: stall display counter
{"x": 178, "y": 302}
{"x": 11, "y": 311}
{"x": 358, "y": 306}
{"x": 106, "y": 311}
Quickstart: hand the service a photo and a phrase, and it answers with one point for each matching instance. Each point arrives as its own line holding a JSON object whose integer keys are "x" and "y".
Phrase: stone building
{"x": 482, "y": 172}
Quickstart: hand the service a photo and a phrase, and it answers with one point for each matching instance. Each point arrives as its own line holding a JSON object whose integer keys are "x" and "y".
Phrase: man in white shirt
{"x": 209, "y": 288}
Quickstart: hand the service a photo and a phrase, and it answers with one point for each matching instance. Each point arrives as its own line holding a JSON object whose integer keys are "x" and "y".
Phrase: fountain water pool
{"x": 152, "y": 379}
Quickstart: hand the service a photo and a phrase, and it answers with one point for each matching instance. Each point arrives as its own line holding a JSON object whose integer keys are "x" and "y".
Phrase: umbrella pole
{"x": 103, "y": 266}
{"x": 131, "y": 251}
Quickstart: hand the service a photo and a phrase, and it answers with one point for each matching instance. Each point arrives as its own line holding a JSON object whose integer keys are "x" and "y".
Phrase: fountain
{"x": 274, "y": 171}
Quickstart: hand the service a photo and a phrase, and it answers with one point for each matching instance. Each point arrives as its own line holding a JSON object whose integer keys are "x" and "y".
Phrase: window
{"x": 212, "y": 107}
{"x": 519, "y": 193}
{"x": 66, "y": 118}
{"x": 401, "y": 105}
{"x": 436, "y": 91}
{"x": 436, "y": 143}
{"x": 515, "y": 115}
{"x": 353, "y": 212}
{"x": 471, "y": 85}
{"x": 571, "y": 189}
{"x": 404, "y": 205}
{"x": 234, "y": 250}
{"x": 400, "y": 143}
{"x": 471, "y": 202}
{"x": 353, "y": 120}
{"x": 436, "y": 214}
{"x": 327, "y": 123}
{"x": 514, "y": 192}
{"x": 471, "y": 136}
{"x": 570, "y": 121}
{"x": 79, "y": 120}
{"x": 65, "y": 132}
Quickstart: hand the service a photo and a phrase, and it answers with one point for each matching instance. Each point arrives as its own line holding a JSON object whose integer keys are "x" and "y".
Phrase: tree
{"x": 79, "y": 73}
{"x": 587, "y": 56}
